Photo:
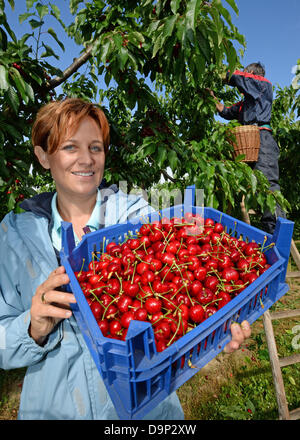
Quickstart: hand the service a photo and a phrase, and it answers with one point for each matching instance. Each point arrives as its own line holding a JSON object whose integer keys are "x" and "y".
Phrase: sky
{"x": 271, "y": 29}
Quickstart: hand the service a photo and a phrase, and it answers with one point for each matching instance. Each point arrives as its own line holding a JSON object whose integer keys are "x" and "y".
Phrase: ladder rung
{"x": 285, "y": 314}
{"x": 295, "y": 414}
{"x": 289, "y": 360}
{"x": 293, "y": 274}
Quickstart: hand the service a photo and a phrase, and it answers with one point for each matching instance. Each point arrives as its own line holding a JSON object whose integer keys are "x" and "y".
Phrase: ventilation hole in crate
{"x": 141, "y": 392}
{"x": 226, "y": 326}
{"x": 155, "y": 386}
{"x": 213, "y": 336}
{"x": 182, "y": 361}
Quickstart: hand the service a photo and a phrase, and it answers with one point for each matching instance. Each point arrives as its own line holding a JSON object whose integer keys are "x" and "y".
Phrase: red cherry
{"x": 97, "y": 310}
{"x": 113, "y": 286}
{"x": 115, "y": 327}
{"x": 211, "y": 282}
{"x": 162, "y": 331}
{"x": 129, "y": 288}
{"x": 218, "y": 228}
{"x": 126, "y": 318}
{"x": 205, "y": 296}
{"x": 209, "y": 311}
{"x": 153, "y": 305}
{"x": 209, "y": 222}
{"x": 196, "y": 287}
{"x": 141, "y": 314}
{"x": 124, "y": 303}
{"x": 197, "y": 313}
{"x": 161, "y": 345}
{"x": 200, "y": 273}
{"x": 145, "y": 229}
{"x": 104, "y": 326}
{"x": 224, "y": 299}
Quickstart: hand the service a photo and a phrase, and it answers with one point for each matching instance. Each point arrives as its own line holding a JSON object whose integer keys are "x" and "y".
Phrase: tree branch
{"x": 77, "y": 63}
{"x": 167, "y": 176}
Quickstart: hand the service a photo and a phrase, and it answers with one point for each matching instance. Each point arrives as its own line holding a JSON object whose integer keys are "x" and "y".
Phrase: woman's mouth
{"x": 83, "y": 173}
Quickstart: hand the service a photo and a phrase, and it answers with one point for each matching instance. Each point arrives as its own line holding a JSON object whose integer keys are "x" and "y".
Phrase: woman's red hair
{"x": 55, "y": 118}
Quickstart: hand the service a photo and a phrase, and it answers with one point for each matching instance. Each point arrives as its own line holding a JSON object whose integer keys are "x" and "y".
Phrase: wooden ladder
{"x": 279, "y": 362}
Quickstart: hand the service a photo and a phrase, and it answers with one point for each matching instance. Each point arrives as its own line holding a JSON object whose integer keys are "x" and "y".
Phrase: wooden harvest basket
{"x": 247, "y": 141}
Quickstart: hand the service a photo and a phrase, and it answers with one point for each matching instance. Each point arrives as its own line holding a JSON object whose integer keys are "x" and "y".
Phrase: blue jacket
{"x": 61, "y": 380}
{"x": 256, "y": 107}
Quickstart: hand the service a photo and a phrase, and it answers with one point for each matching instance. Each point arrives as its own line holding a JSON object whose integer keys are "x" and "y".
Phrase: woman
{"x": 71, "y": 139}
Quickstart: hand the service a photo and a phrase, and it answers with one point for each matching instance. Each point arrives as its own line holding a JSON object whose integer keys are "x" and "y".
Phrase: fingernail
{"x": 68, "y": 314}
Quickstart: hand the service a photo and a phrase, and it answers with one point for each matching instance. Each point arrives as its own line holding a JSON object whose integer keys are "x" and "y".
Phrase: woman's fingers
{"x": 57, "y": 297}
{"x": 239, "y": 334}
{"x": 55, "y": 312}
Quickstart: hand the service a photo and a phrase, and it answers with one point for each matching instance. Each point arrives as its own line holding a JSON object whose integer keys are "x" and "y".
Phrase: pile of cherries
{"x": 174, "y": 273}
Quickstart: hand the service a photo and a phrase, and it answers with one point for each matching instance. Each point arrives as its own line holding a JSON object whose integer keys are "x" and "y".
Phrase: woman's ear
{"x": 42, "y": 157}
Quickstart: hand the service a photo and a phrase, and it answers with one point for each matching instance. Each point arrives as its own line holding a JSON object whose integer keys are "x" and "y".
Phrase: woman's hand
{"x": 49, "y": 306}
{"x": 239, "y": 334}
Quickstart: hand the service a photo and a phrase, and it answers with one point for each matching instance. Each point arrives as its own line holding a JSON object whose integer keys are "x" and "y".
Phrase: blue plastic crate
{"x": 136, "y": 376}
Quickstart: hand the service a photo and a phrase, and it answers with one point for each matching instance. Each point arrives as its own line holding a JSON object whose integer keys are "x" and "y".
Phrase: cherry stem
{"x": 176, "y": 331}
{"x": 83, "y": 261}
{"x": 187, "y": 291}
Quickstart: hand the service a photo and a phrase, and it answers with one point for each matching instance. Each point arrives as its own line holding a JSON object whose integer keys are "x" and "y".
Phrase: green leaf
{"x": 4, "y": 82}
{"x": 11, "y": 202}
{"x": 3, "y": 40}
{"x": 20, "y": 84}
{"x": 12, "y": 4}
{"x": 271, "y": 201}
{"x": 133, "y": 61}
{"x": 149, "y": 149}
{"x": 53, "y": 34}
{"x": 42, "y": 10}
{"x": 55, "y": 10}
{"x": 23, "y": 17}
{"x": 30, "y": 3}
{"x": 292, "y": 380}
{"x": 175, "y": 5}
{"x": 169, "y": 27}
{"x": 12, "y": 98}
{"x": 123, "y": 57}
{"x": 253, "y": 183}
{"x": 105, "y": 50}
{"x": 13, "y": 132}
{"x": 29, "y": 92}
{"x": 161, "y": 156}
{"x": 233, "y": 5}
{"x": 193, "y": 8}
{"x": 173, "y": 160}
{"x": 35, "y": 23}
{"x": 136, "y": 37}
{"x": 49, "y": 52}
{"x": 157, "y": 45}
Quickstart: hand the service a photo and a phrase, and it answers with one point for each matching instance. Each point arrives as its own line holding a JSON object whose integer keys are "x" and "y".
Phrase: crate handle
{"x": 282, "y": 237}
{"x": 67, "y": 238}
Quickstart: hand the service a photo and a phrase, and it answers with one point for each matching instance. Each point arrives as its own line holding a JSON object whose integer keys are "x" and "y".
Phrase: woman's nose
{"x": 85, "y": 157}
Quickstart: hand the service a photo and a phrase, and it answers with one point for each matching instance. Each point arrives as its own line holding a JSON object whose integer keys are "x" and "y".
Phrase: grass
{"x": 238, "y": 386}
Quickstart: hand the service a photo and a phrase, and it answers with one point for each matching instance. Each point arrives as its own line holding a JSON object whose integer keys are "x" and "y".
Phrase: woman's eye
{"x": 68, "y": 147}
{"x": 97, "y": 148}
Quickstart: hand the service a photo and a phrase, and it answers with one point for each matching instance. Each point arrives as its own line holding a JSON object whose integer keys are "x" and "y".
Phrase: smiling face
{"x": 77, "y": 166}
